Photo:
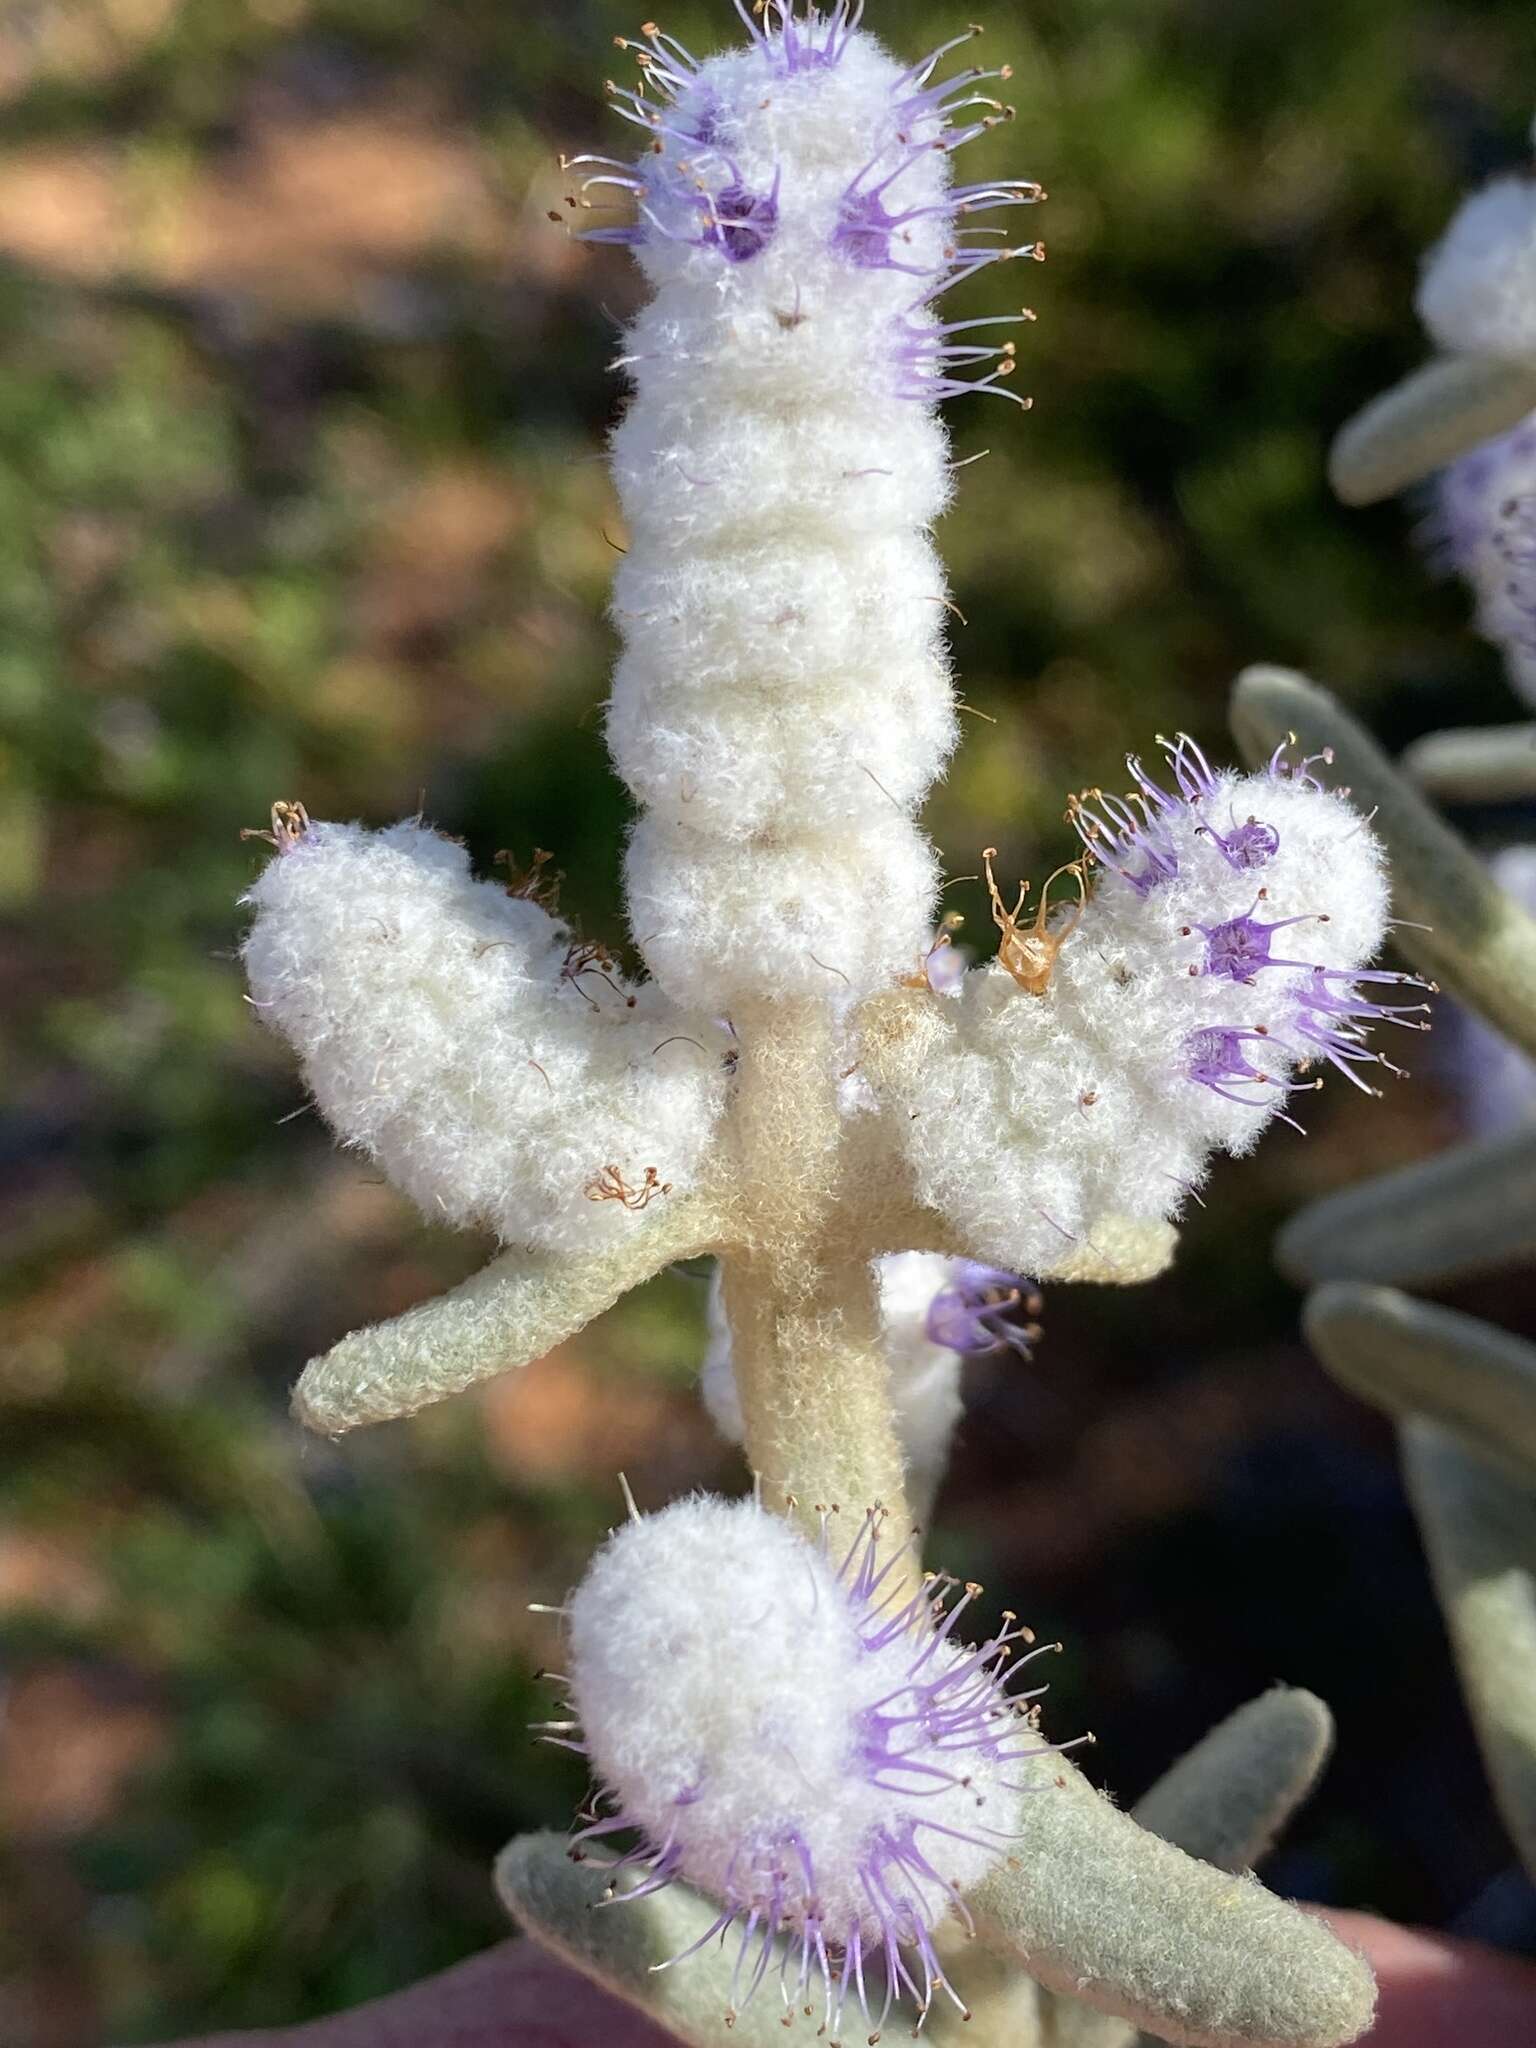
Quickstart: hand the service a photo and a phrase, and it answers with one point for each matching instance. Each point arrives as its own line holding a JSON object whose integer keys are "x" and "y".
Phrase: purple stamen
{"x": 1215, "y": 1057}
{"x": 1240, "y": 947}
{"x": 983, "y": 1310}
{"x": 952, "y": 1700}
{"x": 1138, "y": 848}
{"x": 1253, "y": 844}
{"x": 743, "y": 222}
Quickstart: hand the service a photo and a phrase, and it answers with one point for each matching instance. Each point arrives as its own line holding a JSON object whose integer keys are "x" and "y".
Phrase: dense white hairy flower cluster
{"x": 500, "y": 1073}
{"x": 1478, "y": 292}
{"x": 925, "y": 1374}
{"x": 1483, "y": 526}
{"x": 810, "y": 1747}
{"x": 783, "y": 701}
{"x": 1092, "y": 1069}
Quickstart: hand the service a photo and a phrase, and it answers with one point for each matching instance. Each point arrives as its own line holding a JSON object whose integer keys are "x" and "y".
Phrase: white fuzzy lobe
{"x": 783, "y": 703}
{"x": 439, "y": 1035}
{"x": 720, "y": 1682}
{"x": 828, "y": 915}
{"x": 1026, "y": 1117}
{"x": 1478, "y": 292}
{"x": 925, "y": 1377}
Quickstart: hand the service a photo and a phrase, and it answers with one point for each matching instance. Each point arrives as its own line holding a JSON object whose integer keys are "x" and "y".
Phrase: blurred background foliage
{"x": 301, "y": 410}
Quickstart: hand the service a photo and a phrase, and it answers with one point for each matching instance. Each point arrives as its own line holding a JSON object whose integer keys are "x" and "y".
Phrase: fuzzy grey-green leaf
{"x": 621, "y": 1944}
{"x": 1478, "y": 941}
{"x": 1480, "y": 764}
{"x": 1408, "y": 1357}
{"x": 511, "y": 1312}
{"x": 1228, "y": 1798}
{"x": 1479, "y": 1527}
{"x": 1096, "y": 1907}
{"x": 1434, "y": 415}
{"x": 1224, "y": 1801}
{"x": 1469, "y": 1210}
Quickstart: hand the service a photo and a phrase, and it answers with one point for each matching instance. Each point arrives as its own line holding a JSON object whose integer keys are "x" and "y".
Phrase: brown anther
{"x": 590, "y": 956}
{"x": 1029, "y": 952}
{"x": 1088, "y": 1098}
{"x": 290, "y": 822}
{"x": 556, "y": 216}
{"x": 531, "y": 883}
{"x": 610, "y": 1186}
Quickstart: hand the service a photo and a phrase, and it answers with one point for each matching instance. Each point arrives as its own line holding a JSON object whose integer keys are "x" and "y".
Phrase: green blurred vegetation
{"x": 301, "y": 410}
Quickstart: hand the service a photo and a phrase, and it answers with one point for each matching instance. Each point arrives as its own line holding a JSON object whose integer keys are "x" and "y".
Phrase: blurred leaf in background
{"x": 301, "y": 412}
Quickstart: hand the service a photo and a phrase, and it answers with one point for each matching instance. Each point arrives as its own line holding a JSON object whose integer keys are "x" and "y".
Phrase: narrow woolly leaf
{"x": 511, "y": 1312}
{"x": 1479, "y": 942}
{"x": 1410, "y": 1358}
{"x": 1434, "y": 415}
{"x": 580, "y": 1912}
{"x": 1479, "y": 1528}
{"x": 1095, "y": 1906}
{"x": 1479, "y": 764}
{"x": 1225, "y": 1802}
{"x": 1465, "y": 1211}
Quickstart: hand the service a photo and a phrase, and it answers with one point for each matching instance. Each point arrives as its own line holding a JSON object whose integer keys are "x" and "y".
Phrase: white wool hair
{"x": 441, "y": 1034}
{"x": 720, "y": 1680}
{"x": 783, "y": 702}
{"x": 1477, "y": 295}
{"x": 1026, "y": 1117}
{"x": 925, "y": 1377}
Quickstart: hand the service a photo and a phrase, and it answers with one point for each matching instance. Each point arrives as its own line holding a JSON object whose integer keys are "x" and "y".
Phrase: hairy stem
{"x": 800, "y": 1293}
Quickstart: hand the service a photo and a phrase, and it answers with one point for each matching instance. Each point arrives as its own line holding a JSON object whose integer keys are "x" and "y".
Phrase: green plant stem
{"x": 801, "y": 1293}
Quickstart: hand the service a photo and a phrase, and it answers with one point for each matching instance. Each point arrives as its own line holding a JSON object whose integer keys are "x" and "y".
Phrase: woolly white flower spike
{"x": 503, "y": 1075}
{"x": 1477, "y": 298}
{"x": 1216, "y": 968}
{"x": 781, "y": 1726}
{"x": 788, "y": 1727}
{"x": 783, "y": 701}
{"x": 1483, "y": 527}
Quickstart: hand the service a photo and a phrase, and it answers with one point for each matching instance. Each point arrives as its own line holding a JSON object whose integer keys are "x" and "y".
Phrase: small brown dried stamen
{"x": 610, "y": 1186}
{"x": 1028, "y": 952}
{"x": 531, "y": 883}
{"x": 290, "y": 822}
